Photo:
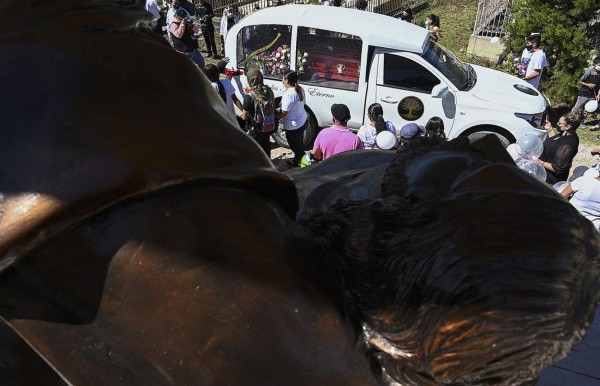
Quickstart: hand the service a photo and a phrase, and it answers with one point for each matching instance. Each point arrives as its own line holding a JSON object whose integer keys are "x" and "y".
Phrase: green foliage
{"x": 566, "y": 40}
{"x": 457, "y": 19}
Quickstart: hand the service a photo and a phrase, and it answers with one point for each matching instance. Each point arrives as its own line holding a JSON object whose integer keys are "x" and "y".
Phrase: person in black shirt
{"x": 182, "y": 33}
{"x": 560, "y": 148}
{"x": 205, "y": 13}
{"x": 589, "y": 86}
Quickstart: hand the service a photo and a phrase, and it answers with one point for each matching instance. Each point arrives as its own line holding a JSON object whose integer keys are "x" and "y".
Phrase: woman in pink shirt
{"x": 337, "y": 138}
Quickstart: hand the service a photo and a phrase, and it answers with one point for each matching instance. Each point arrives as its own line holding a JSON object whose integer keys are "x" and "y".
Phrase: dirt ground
{"x": 584, "y": 157}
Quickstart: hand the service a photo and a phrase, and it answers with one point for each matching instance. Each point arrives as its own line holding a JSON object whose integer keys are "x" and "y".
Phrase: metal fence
{"x": 245, "y": 7}
{"x": 492, "y": 18}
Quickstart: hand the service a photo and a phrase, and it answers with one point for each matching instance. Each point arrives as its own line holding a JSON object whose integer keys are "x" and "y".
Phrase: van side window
{"x": 328, "y": 59}
{"x": 266, "y": 47}
{"x": 402, "y": 72}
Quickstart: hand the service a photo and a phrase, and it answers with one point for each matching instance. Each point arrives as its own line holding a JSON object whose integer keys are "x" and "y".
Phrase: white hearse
{"x": 358, "y": 58}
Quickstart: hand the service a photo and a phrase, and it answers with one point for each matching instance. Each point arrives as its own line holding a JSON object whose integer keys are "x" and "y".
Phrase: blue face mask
{"x": 597, "y": 68}
{"x": 427, "y": 24}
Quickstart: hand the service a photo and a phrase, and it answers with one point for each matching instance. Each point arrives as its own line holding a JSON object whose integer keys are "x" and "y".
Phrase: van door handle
{"x": 388, "y": 100}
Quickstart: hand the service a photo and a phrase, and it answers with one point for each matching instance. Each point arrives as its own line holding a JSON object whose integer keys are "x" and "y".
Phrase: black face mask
{"x": 529, "y": 48}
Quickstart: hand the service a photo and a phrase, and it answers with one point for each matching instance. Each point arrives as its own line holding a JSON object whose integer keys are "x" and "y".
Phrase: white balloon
{"x": 530, "y": 146}
{"x": 560, "y": 186}
{"x": 495, "y": 40}
{"x": 534, "y": 169}
{"x": 512, "y": 151}
{"x": 385, "y": 140}
{"x": 591, "y": 106}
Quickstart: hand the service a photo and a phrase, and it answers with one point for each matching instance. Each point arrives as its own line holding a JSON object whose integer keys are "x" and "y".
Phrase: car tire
{"x": 482, "y": 133}
{"x": 309, "y": 133}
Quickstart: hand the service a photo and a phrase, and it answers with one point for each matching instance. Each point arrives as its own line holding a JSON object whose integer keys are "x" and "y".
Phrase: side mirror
{"x": 439, "y": 91}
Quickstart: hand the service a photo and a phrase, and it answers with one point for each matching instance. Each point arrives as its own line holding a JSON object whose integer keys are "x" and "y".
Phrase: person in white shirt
{"x": 368, "y": 132}
{"x": 154, "y": 8}
{"x": 534, "y": 58}
{"x": 293, "y": 115}
{"x": 228, "y": 20}
{"x": 224, "y": 88}
{"x": 586, "y": 195}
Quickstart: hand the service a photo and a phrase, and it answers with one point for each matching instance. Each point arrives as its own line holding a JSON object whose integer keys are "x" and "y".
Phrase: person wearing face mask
{"x": 533, "y": 60}
{"x": 228, "y": 20}
{"x": 589, "y": 86}
{"x": 560, "y": 148}
{"x": 432, "y": 23}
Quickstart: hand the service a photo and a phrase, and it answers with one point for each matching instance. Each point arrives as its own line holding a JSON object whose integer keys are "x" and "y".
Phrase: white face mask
{"x": 427, "y": 24}
{"x": 597, "y": 68}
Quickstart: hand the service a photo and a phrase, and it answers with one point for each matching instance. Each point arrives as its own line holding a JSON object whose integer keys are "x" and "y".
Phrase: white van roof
{"x": 375, "y": 29}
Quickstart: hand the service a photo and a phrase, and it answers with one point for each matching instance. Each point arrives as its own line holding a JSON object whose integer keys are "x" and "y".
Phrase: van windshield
{"x": 453, "y": 69}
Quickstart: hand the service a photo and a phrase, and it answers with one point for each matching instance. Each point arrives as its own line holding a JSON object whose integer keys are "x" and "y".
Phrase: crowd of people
{"x": 259, "y": 115}
{"x": 259, "y": 111}
{"x": 183, "y": 23}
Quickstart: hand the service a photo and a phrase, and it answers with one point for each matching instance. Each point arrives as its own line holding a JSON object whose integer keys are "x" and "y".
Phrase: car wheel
{"x": 309, "y": 133}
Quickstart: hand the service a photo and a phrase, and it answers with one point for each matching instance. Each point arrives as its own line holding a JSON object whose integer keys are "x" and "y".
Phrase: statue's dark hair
{"x": 453, "y": 273}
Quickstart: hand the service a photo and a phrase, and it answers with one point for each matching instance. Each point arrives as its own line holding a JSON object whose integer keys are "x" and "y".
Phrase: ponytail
{"x": 380, "y": 124}
{"x": 299, "y": 91}
{"x": 375, "y": 112}
{"x": 292, "y": 79}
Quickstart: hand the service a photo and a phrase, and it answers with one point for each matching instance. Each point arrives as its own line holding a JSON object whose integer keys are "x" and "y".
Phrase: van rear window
{"x": 328, "y": 58}
{"x": 265, "y": 47}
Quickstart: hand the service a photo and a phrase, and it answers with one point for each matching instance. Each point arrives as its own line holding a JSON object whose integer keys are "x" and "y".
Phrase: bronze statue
{"x": 448, "y": 266}
{"x": 143, "y": 244}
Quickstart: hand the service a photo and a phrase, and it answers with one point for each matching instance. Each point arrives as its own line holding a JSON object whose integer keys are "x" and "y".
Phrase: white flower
{"x": 303, "y": 60}
{"x": 281, "y": 66}
{"x": 288, "y": 54}
{"x": 277, "y": 55}
{"x": 305, "y": 54}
